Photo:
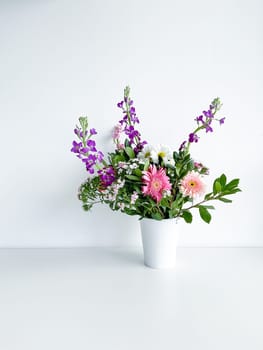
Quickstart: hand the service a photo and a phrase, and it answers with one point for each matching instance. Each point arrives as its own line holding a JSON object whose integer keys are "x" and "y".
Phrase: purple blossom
{"x": 139, "y": 147}
{"x": 120, "y": 104}
{"x": 222, "y": 120}
{"x": 76, "y": 146}
{"x": 193, "y": 137}
{"x": 93, "y": 131}
{"x": 200, "y": 119}
{"x": 81, "y": 133}
{"x": 132, "y": 111}
{"x": 131, "y": 133}
{"x": 90, "y": 162}
{"x": 107, "y": 176}
{"x": 100, "y": 156}
{"x": 77, "y": 132}
{"x": 208, "y": 128}
{"x": 208, "y": 114}
{"x": 182, "y": 146}
{"x": 91, "y": 144}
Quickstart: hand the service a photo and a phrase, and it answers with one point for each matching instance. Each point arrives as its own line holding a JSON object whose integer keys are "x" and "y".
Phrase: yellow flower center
{"x": 156, "y": 184}
{"x": 147, "y": 155}
{"x": 192, "y": 183}
{"x": 161, "y": 154}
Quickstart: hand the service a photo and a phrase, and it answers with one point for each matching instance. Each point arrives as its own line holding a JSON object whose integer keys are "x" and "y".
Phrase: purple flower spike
{"x": 76, "y": 147}
{"x": 193, "y": 137}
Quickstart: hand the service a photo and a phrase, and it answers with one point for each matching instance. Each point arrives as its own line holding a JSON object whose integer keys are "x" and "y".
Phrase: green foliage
{"x": 187, "y": 216}
{"x": 204, "y": 213}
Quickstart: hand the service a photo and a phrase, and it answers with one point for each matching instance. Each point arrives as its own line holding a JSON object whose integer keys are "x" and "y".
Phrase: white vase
{"x": 159, "y": 239}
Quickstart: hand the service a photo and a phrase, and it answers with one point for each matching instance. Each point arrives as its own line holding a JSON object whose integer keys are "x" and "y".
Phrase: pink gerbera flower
{"x": 155, "y": 182}
{"x": 192, "y": 185}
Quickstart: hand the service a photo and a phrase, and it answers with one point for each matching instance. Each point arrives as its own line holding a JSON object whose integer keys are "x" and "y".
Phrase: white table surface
{"x": 105, "y": 298}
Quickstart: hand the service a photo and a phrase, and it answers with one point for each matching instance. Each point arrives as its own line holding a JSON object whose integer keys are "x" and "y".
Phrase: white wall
{"x": 62, "y": 59}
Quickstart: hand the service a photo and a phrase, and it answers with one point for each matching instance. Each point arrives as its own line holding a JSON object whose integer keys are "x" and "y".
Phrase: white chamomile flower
{"x": 148, "y": 152}
{"x": 165, "y": 153}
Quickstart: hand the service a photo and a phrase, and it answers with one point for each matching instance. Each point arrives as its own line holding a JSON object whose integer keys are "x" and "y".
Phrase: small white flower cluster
{"x": 111, "y": 192}
{"x": 153, "y": 153}
{"x": 128, "y": 167}
{"x": 131, "y": 205}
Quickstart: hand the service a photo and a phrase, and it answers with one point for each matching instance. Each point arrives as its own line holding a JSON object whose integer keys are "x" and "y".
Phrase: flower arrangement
{"x": 149, "y": 181}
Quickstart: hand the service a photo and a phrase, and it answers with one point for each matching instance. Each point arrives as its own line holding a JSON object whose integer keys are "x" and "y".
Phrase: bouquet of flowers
{"x": 154, "y": 182}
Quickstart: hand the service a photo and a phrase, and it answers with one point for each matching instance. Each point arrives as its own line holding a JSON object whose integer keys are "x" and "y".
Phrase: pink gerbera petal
{"x": 155, "y": 182}
{"x": 192, "y": 185}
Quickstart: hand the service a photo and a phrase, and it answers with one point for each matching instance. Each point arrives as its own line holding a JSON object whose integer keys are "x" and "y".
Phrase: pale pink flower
{"x": 117, "y": 131}
{"x": 120, "y": 146}
{"x": 191, "y": 185}
{"x": 155, "y": 182}
{"x": 134, "y": 197}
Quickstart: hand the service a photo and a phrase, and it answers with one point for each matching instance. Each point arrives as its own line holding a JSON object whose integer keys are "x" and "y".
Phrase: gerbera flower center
{"x": 156, "y": 184}
{"x": 192, "y": 183}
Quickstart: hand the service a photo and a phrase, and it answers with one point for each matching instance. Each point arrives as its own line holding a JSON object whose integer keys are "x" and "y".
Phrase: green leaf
{"x": 133, "y": 177}
{"x": 164, "y": 202}
{"x": 157, "y": 216}
{"x": 204, "y": 213}
{"x": 138, "y": 172}
{"x": 222, "y": 180}
{"x": 208, "y": 207}
{"x": 235, "y": 190}
{"x": 232, "y": 184}
{"x": 225, "y": 200}
{"x": 188, "y": 217}
{"x": 217, "y": 186}
{"x": 146, "y": 164}
{"x": 208, "y": 196}
{"x": 130, "y": 152}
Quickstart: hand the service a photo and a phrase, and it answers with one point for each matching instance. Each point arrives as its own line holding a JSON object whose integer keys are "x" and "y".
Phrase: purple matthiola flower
{"x": 100, "y": 156}
{"x": 93, "y": 131}
{"x": 193, "y": 137}
{"x": 90, "y": 161}
{"x": 120, "y": 104}
{"x": 139, "y": 147}
{"x": 208, "y": 114}
{"x": 76, "y": 146}
{"x": 200, "y": 119}
{"x": 131, "y": 132}
{"x": 91, "y": 144}
{"x": 182, "y": 146}
{"x": 81, "y": 133}
{"x": 107, "y": 176}
{"x": 77, "y": 132}
{"x": 208, "y": 128}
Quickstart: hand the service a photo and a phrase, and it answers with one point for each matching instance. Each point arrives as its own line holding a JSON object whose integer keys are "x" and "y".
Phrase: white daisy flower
{"x": 148, "y": 152}
{"x": 165, "y": 153}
